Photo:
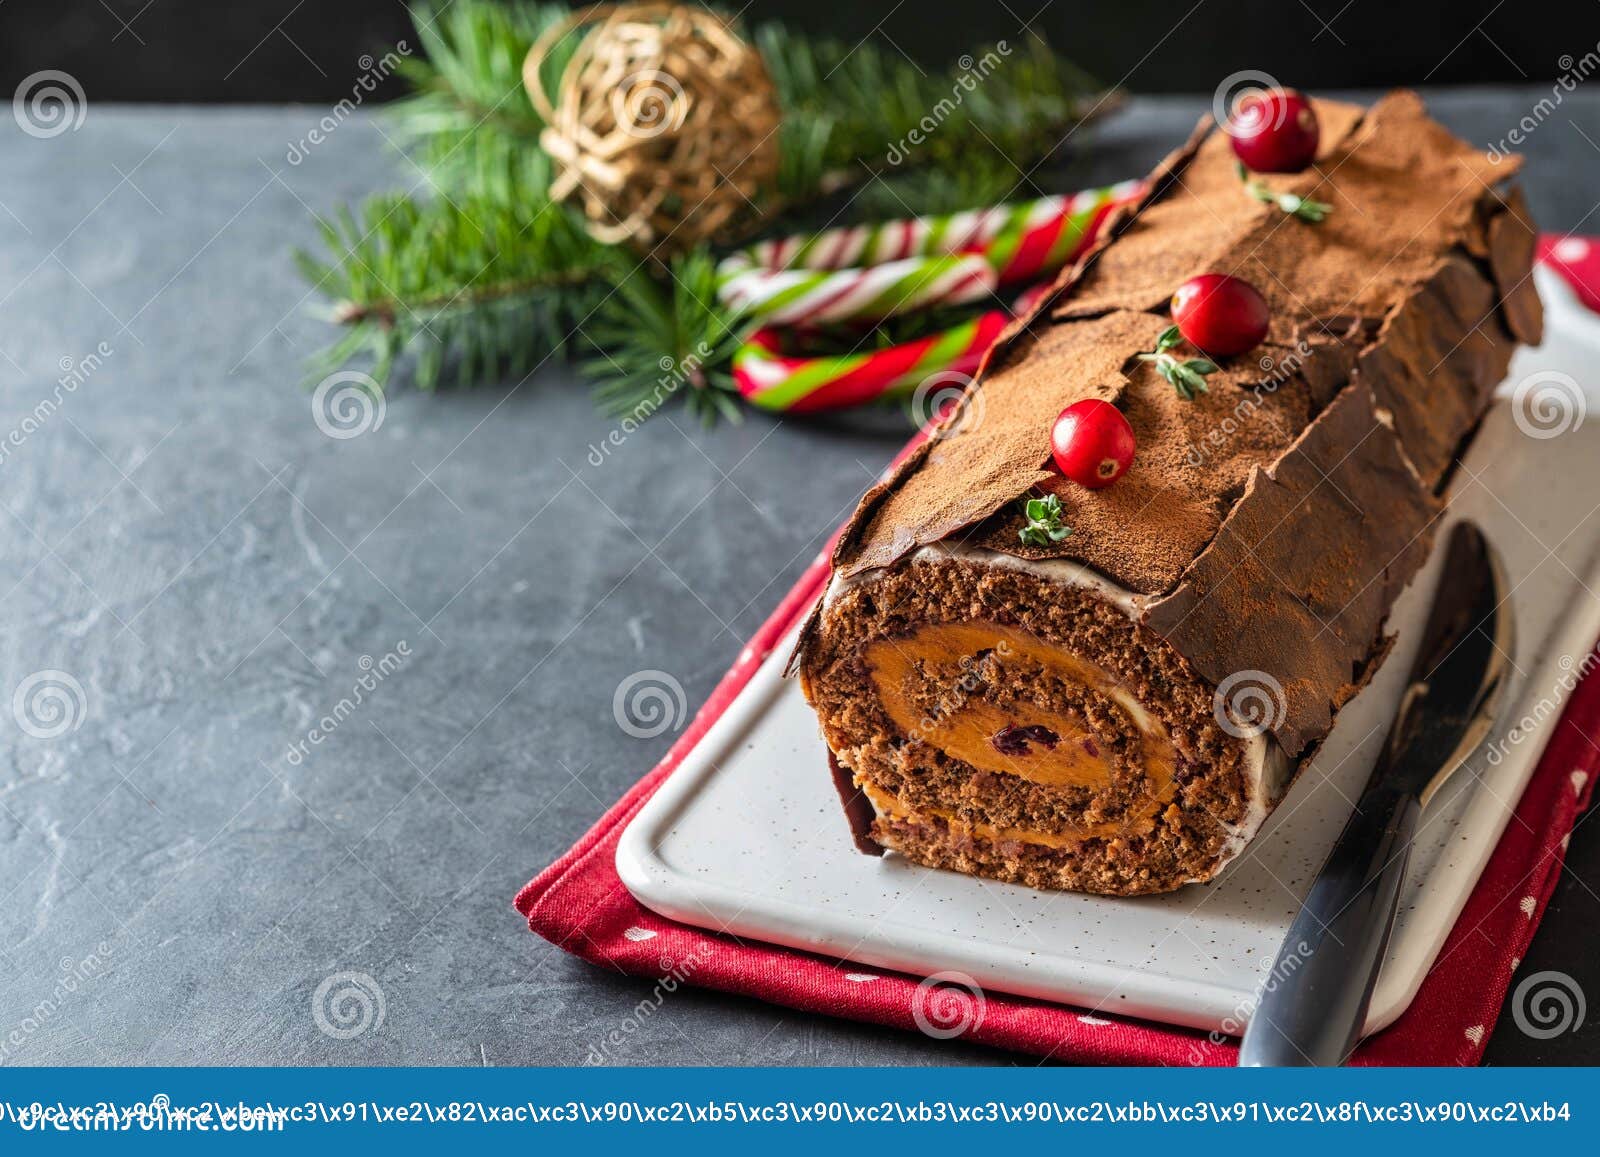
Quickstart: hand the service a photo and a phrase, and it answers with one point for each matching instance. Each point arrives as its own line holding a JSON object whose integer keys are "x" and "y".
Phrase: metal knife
{"x": 1314, "y": 1001}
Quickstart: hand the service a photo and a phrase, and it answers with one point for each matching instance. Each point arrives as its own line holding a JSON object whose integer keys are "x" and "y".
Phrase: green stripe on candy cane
{"x": 772, "y": 381}
{"x": 795, "y": 297}
{"x": 801, "y": 280}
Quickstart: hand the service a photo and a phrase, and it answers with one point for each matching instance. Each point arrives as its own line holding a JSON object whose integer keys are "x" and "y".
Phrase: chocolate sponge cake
{"x": 1118, "y": 709}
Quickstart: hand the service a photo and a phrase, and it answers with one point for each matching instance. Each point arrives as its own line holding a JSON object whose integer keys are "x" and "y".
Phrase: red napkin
{"x": 579, "y": 904}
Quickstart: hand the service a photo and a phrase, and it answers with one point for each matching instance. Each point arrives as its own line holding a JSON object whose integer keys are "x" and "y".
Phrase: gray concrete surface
{"x": 209, "y": 568}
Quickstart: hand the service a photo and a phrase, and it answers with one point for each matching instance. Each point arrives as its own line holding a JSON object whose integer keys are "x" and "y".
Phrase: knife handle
{"x": 1314, "y": 1002}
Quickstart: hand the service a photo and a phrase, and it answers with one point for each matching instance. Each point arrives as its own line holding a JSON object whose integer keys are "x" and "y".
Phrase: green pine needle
{"x": 485, "y": 289}
{"x": 660, "y": 337}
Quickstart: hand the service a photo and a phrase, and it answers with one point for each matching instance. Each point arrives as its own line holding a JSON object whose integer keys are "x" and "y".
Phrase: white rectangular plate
{"x": 748, "y": 837}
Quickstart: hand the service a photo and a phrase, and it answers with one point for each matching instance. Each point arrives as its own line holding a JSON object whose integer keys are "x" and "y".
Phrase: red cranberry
{"x": 1221, "y": 315}
{"x": 1092, "y": 443}
{"x": 1274, "y": 130}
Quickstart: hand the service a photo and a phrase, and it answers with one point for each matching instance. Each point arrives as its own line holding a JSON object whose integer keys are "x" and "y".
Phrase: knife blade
{"x": 1314, "y": 1002}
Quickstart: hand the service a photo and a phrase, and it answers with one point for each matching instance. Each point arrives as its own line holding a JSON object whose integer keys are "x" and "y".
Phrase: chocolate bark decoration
{"x": 1302, "y": 574}
{"x": 858, "y": 811}
{"x": 1269, "y": 523}
{"x": 1511, "y": 246}
{"x": 1435, "y": 363}
{"x": 1409, "y": 199}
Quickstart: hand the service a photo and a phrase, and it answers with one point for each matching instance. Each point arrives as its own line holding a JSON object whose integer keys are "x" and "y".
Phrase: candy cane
{"x": 801, "y": 281}
{"x": 793, "y": 297}
{"x": 912, "y": 264}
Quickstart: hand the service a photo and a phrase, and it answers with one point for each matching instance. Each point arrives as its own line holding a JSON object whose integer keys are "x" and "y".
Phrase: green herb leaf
{"x": 1301, "y": 208}
{"x": 1044, "y": 521}
{"x": 1188, "y": 377}
{"x": 1306, "y": 210}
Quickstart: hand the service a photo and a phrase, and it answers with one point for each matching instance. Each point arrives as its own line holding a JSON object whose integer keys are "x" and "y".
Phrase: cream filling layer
{"x": 1266, "y": 768}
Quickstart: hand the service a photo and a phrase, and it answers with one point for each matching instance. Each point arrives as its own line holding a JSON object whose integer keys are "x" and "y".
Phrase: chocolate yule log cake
{"x": 1107, "y": 688}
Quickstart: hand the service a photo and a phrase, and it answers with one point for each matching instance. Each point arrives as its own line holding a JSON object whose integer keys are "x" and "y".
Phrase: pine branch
{"x": 484, "y": 286}
{"x": 469, "y": 124}
{"x": 663, "y": 333}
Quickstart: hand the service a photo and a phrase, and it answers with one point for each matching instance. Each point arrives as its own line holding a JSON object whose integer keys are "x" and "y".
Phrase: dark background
{"x": 305, "y": 50}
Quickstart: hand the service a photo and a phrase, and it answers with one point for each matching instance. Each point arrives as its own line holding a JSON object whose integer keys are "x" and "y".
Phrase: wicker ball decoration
{"x": 664, "y": 126}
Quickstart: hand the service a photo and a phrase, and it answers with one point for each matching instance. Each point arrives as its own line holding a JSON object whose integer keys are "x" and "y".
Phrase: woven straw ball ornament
{"x": 664, "y": 127}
